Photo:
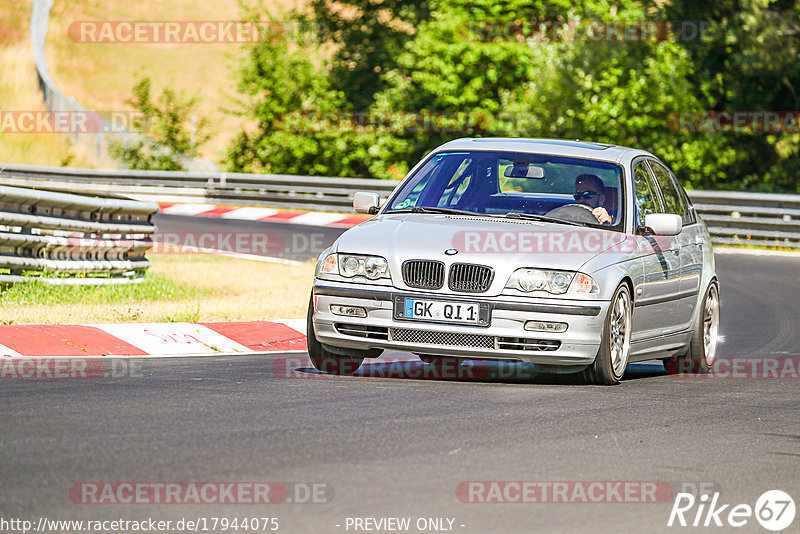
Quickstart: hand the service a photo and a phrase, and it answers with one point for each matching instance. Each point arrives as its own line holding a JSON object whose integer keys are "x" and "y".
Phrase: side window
{"x": 689, "y": 216}
{"x": 674, "y": 201}
{"x": 645, "y": 191}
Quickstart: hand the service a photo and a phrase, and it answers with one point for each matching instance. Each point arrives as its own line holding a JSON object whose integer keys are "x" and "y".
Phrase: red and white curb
{"x": 309, "y": 218}
{"x": 153, "y": 339}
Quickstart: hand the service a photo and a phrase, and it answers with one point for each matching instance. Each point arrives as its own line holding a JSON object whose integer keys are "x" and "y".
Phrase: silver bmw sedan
{"x": 573, "y": 256}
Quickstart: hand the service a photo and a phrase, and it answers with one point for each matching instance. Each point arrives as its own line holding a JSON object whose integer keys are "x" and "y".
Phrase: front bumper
{"x": 503, "y": 339}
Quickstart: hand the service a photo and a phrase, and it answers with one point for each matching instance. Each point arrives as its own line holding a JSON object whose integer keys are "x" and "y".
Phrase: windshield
{"x": 515, "y": 185}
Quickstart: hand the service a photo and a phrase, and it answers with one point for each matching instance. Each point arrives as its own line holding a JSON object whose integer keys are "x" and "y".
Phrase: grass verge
{"x": 177, "y": 288}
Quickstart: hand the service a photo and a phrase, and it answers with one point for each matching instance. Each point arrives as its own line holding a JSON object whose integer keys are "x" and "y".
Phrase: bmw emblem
{"x": 451, "y": 252}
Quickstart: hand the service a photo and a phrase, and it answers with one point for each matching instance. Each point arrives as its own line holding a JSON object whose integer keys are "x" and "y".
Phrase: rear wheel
{"x": 324, "y": 360}
{"x": 702, "y": 353}
{"x": 612, "y": 357}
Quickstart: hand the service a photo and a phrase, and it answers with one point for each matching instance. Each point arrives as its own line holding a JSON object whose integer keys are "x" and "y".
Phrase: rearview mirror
{"x": 664, "y": 223}
{"x": 364, "y": 202}
{"x": 514, "y": 171}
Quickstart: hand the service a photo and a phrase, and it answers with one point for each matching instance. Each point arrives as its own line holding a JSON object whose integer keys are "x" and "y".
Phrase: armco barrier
{"x": 72, "y": 239}
{"x": 274, "y": 190}
{"x": 736, "y": 217}
{"x": 733, "y": 217}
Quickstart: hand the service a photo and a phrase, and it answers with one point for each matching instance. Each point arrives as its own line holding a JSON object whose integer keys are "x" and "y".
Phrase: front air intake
{"x": 423, "y": 274}
{"x": 470, "y": 278}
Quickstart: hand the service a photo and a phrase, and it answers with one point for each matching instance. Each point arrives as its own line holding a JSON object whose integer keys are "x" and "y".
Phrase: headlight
{"x": 350, "y": 265}
{"x": 531, "y": 279}
{"x": 554, "y": 282}
{"x": 375, "y": 267}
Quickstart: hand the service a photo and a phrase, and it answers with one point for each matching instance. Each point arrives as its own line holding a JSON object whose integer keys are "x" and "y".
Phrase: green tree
{"x": 368, "y": 37}
{"x": 750, "y": 61}
{"x": 468, "y": 58}
{"x": 435, "y": 57}
{"x": 166, "y": 137}
{"x": 296, "y": 113}
{"x": 631, "y": 95}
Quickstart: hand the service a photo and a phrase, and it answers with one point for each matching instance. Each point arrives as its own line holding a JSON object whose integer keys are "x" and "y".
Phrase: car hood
{"x": 504, "y": 245}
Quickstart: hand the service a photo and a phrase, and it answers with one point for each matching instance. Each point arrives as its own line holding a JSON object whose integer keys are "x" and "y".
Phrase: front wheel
{"x": 612, "y": 357}
{"x": 702, "y": 353}
{"x": 324, "y": 360}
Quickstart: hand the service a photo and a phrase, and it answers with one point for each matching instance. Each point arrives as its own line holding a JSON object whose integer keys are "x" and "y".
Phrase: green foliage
{"x": 168, "y": 135}
{"x": 750, "y": 61}
{"x": 436, "y": 57}
{"x": 288, "y": 96}
{"x": 369, "y": 37}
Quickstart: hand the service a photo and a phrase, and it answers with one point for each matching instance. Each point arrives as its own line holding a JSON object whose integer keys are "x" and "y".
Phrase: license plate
{"x": 437, "y": 310}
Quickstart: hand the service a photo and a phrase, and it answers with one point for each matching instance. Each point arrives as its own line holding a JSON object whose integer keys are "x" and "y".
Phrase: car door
{"x": 689, "y": 241}
{"x": 655, "y": 311}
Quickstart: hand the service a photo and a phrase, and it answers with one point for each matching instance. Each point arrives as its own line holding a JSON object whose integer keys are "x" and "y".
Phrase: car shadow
{"x": 475, "y": 371}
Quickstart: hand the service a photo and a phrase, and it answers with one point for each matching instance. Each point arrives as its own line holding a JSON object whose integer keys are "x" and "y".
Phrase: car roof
{"x": 553, "y": 147}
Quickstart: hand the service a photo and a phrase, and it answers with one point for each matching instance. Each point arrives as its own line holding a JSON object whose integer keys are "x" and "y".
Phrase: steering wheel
{"x": 573, "y": 212}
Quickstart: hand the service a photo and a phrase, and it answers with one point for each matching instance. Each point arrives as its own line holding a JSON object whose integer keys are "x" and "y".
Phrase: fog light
{"x": 348, "y": 311}
{"x": 544, "y": 326}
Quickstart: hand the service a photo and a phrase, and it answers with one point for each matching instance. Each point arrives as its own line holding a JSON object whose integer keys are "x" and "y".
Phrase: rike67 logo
{"x": 774, "y": 510}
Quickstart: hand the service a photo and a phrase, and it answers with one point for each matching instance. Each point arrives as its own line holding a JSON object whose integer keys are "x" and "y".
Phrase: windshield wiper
{"x": 541, "y": 218}
{"x": 434, "y": 209}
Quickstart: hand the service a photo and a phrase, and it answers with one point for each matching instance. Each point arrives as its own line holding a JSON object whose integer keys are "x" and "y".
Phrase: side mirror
{"x": 366, "y": 202}
{"x": 664, "y": 223}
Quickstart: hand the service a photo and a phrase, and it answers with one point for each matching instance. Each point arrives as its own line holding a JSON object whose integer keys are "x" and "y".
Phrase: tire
{"x": 323, "y": 360}
{"x": 612, "y": 356}
{"x": 702, "y": 353}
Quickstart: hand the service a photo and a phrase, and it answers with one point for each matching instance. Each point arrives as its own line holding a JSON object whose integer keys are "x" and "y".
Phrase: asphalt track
{"x": 399, "y": 447}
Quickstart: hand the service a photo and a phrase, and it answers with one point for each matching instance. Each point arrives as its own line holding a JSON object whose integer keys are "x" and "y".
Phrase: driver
{"x": 590, "y": 192}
